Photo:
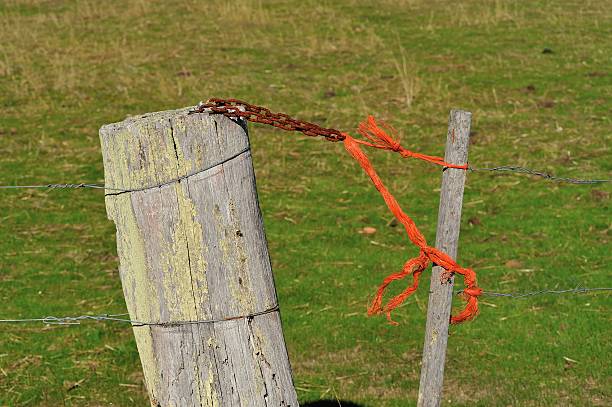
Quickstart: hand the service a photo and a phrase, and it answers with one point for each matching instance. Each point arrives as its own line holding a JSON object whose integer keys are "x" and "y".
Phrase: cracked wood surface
{"x": 195, "y": 250}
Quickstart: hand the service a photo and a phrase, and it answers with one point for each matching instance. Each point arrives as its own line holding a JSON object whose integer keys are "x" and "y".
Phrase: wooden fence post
{"x": 194, "y": 261}
{"x": 447, "y": 240}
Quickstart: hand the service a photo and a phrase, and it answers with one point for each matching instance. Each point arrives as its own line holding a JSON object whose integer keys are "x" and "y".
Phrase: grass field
{"x": 67, "y": 67}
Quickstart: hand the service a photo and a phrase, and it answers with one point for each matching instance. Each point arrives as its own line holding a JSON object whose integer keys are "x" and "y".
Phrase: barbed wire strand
{"x": 505, "y": 168}
{"x": 577, "y": 290}
{"x": 51, "y": 320}
{"x": 60, "y": 186}
{"x": 117, "y": 190}
{"x": 523, "y": 170}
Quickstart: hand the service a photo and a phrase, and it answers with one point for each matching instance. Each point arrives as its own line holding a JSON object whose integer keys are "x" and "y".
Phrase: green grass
{"x": 67, "y": 67}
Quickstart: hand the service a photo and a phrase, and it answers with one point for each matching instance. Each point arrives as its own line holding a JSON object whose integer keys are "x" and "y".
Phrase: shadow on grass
{"x": 331, "y": 403}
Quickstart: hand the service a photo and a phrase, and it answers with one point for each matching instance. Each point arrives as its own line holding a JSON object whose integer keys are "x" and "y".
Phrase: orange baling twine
{"x": 376, "y": 138}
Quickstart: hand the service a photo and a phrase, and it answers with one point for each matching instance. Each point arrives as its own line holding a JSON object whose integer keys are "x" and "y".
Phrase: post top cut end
{"x": 150, "y": 149}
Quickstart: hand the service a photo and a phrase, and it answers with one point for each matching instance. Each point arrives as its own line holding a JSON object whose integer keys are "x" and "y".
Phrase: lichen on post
{"x": 192, "y": 249}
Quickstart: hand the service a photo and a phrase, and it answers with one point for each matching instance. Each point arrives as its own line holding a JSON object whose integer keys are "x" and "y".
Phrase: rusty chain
{"x": 258, "y": 114}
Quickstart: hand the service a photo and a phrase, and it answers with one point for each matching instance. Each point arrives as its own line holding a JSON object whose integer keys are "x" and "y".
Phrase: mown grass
{"x": 67, "y": 67}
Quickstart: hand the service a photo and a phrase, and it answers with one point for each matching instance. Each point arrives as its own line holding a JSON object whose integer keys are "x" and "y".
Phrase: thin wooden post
{"x": 447, "y": 240}
{"x": 194, "y": 261}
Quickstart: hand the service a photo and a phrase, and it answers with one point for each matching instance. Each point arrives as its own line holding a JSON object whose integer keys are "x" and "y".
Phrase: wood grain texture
{"x": 195, "y": 250}
{"x": 447, "y": 240}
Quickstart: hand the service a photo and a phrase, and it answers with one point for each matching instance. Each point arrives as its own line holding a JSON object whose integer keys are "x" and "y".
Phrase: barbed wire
{"x": 76, "y": 320}
{"x": 541, "y": 292}
{"x": 52, "y": 320}
{"x": 523, "y": 170}
{"x": 505, "y": 168}
{"x": 61, "y": 186}
{"x": 576, "y": 290}
{"x": 117, "y": 190}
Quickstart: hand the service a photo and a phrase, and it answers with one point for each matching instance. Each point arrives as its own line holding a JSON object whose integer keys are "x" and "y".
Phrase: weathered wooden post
{"x": 447, "y": 240}
{"x": 194, "y": 262}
